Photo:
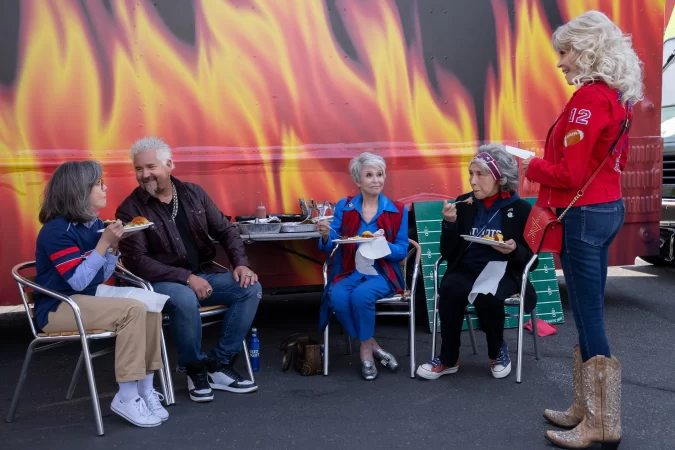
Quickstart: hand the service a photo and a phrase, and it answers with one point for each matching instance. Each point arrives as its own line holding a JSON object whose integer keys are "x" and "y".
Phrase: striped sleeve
{"x": 65, "y": 254}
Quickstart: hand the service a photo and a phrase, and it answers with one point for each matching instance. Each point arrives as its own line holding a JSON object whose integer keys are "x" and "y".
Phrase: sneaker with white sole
{"x": 135, "y": 411}
{"x": 153, "y": 401}
{"x": 435, "y": 369}
{"x": 501, "y": 365}
{"x": 225, "y": 378}
{"x": 198, "y": 383}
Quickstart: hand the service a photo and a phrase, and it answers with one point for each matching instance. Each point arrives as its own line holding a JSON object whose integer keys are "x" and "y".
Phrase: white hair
{"x": 149, "y": 144}
{"x": 366, "y": 159}
{"x": 605, "y": 53}
{"x": 506, "y": 163}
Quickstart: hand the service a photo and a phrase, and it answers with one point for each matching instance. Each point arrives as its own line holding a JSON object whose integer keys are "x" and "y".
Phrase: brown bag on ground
{"x": 304, "y": 353}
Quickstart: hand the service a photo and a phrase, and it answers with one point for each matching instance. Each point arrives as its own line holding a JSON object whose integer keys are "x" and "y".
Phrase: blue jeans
{"x": 588, "y": 232}
{"x": 186, "y": 324}
{"x": 353, "y": 301}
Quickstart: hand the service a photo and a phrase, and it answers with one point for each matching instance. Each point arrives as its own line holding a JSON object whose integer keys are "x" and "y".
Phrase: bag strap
{"x": 625, "y": 127}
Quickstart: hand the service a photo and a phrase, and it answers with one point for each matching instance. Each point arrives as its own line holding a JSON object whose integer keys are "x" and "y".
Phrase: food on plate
{"x": 138, "y": 221}
{"x": 366, "y": 234}
{"x": 497, "y": 237}
{"x": 108, "y": 222}
{"x": 307, "y": 222}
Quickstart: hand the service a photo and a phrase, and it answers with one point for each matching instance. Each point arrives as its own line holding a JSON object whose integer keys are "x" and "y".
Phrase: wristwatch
{"x": 112, "y": 252}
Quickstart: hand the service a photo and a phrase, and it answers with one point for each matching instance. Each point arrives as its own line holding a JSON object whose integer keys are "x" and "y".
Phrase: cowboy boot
{"x": 611, "y": 404}
{"x": 601, "y": 380}
{"x": 572, "y": 417}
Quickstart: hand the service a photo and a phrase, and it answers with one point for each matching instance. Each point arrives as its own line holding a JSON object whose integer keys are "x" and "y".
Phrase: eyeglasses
{"x": 99, "y": 183}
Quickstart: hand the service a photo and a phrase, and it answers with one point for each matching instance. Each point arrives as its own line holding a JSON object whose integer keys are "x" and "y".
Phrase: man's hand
{"x": 244, "y": 276}
{"x": 509, "y": 246}
{"x": 201, "y": 287}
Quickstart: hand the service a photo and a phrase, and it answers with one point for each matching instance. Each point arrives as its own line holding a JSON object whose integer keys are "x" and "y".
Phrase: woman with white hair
{"x": 492, "y": 209}
{"x": 350, "y": 293}
{"x": 588, "y": 143}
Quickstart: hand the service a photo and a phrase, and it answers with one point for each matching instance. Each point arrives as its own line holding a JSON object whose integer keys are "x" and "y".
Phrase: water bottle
{"x": 254, "y": 350}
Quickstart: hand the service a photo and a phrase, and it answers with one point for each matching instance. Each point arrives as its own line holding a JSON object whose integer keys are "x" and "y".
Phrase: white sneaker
{"x": 501, "y": 366}
{"x": 154, "y": 403}
{"x": 135, "y": 411}
{"x": 435, "y": 369}
{"x": 225, "y": 378}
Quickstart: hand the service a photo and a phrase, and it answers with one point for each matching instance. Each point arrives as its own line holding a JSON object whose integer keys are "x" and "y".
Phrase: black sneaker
{"x": 198, "y": 384}
{"x": 225, "y": 378}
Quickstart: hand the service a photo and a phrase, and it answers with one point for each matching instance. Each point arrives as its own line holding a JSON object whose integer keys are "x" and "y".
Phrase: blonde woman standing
{"x": 590, "y": 134}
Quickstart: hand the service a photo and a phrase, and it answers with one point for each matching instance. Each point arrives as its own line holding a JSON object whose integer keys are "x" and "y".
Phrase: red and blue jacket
{"x": 61, "y": 249}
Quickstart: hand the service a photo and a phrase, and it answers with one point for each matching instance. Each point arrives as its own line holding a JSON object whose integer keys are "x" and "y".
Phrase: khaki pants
{"x": 137, "y": 350}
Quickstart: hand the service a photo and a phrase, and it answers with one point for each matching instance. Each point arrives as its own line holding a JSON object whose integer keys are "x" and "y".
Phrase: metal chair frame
{"x": 406, "y": 300}
{"x": 81, "y": 336}
{"x": 518, "y": 300}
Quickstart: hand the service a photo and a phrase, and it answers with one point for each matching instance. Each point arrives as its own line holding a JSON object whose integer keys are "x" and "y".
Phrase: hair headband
{"x": 491, "y": 165}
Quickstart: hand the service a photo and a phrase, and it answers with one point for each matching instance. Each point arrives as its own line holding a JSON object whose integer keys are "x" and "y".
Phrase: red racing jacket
{"x": 575, "y": 146}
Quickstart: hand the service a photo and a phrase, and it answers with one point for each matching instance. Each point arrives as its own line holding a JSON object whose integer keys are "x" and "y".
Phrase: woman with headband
{"x": 492, "y": 209}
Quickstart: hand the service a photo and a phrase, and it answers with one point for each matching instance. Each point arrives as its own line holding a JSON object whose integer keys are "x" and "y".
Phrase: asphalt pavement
{"x": 467, "y": 410}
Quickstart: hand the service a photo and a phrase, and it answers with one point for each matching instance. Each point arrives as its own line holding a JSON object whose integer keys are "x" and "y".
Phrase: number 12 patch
{"x": 581, "y": 117}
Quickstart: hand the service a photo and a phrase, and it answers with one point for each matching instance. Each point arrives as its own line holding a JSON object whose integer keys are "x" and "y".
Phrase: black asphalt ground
{"x": 467, "y": 410}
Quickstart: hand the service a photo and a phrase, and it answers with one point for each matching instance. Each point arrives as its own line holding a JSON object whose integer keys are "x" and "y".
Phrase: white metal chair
{"x": 405, "y": 303}
{"x": 517, "y": 300}
{"x": 27, "y": 287}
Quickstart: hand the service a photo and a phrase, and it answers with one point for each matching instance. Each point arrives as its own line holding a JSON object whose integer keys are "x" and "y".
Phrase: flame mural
{"x": 266, "y": 101}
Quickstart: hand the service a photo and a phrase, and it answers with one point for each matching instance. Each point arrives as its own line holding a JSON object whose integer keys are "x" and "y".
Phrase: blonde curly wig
{"x": 605, "y": 53}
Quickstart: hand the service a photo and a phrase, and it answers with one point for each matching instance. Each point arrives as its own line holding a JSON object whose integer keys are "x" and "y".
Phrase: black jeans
{"x": 452, "y": 302}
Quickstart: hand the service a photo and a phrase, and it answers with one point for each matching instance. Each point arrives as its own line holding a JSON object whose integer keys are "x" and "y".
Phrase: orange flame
{"x": 265, "y": 104}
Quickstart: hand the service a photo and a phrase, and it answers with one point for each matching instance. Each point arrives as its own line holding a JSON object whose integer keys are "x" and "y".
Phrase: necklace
{"x": 174, "y": 199}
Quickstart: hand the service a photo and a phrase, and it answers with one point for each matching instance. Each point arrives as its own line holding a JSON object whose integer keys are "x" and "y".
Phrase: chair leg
{"x": 411, "y": 337}
{"x": 22, "y": 379}
{"x": 472, "y": 335}
{"x": 92, "y": 386}
{"x": 163, "y": 386}
{"x": 325, "y": 351}
{"x": 521, "y": 322}
{"x": 434, "y": 328}
{"x": 76, "y": 377}
{"x": 348, "y": 344}
{"x": 169, "y": 397}
{"x": 535, "y": 333}
{"x": 247, "y": 357}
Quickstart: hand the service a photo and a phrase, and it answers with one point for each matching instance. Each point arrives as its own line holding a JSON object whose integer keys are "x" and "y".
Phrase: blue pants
{"x": 186, "y": 324}
{"x": 588, "y": 233}
{"x": 353, "y": 301}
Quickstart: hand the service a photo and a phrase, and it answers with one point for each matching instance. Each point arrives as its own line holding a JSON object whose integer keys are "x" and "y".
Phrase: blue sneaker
{"x": 501, "y": 366}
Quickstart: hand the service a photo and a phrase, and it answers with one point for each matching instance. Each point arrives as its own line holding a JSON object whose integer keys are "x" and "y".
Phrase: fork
{"x": 468, "y": 200}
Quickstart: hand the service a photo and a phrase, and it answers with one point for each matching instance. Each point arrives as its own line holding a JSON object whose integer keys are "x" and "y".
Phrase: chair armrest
{"x": 416, "y": 251}
{"x": 325, "y": 266}
{"x": 528, "y": 266}
{"x": 57, "y": 295}
{"x": 125, "y": 274}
